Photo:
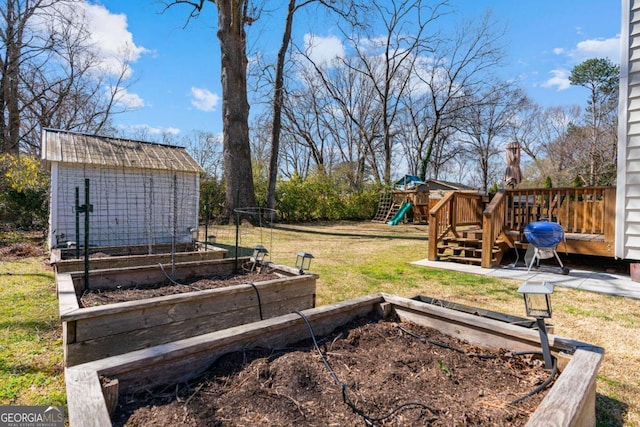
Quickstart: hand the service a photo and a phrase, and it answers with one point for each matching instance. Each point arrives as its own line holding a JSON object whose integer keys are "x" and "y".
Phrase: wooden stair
{"x": 467, "y": 248}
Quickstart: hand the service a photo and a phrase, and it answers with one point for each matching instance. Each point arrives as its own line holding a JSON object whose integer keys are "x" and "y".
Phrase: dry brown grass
{"x": 354, "y": 259}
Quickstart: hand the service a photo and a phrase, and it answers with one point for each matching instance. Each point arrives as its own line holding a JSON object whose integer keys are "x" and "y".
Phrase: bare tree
{"x": 206, "y": 149}
{"x": 389, "y": 61}
{"x": 448, "y": 74}
{"x": 347, "y": 10}
{"x": 545, "y": 136}
{"x": 52, "y": 75}
{"x": 334, "y": 111}
{"x": 487, "y": 122}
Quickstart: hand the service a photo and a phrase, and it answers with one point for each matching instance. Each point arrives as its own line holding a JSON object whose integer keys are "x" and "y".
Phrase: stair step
{"x": 467, "y": 260}
{"x": 477, "y": 251}
{"x": 464, "y": 259}
{"x": 467, "y": 240}
{"x": 472, "y": 234}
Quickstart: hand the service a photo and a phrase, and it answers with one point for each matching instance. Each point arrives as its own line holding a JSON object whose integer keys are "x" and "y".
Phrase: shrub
{"x": 24, "y": 191}
{"x": 319, "y": 198}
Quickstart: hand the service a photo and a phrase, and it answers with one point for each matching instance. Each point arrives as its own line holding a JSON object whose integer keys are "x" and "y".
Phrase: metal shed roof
{"x": 73, "y": 147}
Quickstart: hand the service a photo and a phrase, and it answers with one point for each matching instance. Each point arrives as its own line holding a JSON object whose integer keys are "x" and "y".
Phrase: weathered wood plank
{"x": 67, "y": 297}
{"x": 110, "y": 345}
{"x": 169, "y": 308}
{"x": 85, "y": 401}
{"x": 477, "y": 330}
{"x": 71, "y": 265}
{"x": 148, "y": 275}
{"x": 158, "y": 248}
{"x": 571, "y": 401}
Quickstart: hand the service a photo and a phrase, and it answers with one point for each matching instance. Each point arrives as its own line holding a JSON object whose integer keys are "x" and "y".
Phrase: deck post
{"x": 487, "y": 243}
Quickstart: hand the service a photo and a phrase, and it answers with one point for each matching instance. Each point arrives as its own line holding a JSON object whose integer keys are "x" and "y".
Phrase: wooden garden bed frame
{"x": 570, "y": 402}
{"x": 124, "y": 259}
{"x": 97, "y": 332}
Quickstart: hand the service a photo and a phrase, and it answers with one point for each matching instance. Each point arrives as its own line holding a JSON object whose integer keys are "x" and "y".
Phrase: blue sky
{"x": 174, "y": 83}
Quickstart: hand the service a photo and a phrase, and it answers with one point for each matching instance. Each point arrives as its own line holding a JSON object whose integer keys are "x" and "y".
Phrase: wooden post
{"x": 487, "y": 242}
{"x": 433, "y": 236}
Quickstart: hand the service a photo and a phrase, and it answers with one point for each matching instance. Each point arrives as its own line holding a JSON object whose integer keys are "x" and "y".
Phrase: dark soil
{"x": 390, "y": 377}
{"x": 111, "y": 296}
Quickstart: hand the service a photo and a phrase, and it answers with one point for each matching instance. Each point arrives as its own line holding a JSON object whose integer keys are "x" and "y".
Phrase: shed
{"x": 141, "y": 193}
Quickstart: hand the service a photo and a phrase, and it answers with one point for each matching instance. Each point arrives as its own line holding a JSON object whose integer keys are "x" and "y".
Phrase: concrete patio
{"x": 592, "y": 281}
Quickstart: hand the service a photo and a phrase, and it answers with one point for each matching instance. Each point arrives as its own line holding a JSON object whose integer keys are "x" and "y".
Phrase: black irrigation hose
{"x": 369, "y": 421}
{"x": 538, "y": 389}
{"x": 259, "y": 302}
{"x": 174, "y": 282}
{"x": 544, "y": 384}
{"x": 315, "y": 344}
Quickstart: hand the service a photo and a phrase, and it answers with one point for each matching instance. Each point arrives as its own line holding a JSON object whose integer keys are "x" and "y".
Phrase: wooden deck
{"x": 587, "y": 215}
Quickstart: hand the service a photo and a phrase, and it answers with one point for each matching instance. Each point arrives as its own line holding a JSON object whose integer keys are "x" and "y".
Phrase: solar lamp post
{"x": 537, "y": 301}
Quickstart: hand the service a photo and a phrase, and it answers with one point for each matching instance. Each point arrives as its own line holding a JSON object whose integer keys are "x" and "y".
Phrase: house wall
{"x": 130, "y": 206}
{"x": 627, "y": 241}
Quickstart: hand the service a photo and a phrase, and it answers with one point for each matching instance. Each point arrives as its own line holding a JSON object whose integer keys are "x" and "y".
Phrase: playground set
{"x": 411, "y": 200}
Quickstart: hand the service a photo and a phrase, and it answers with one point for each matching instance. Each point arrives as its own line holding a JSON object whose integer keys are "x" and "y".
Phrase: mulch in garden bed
{"x": 389, "y": 373}
{"x": 110, "y": 296}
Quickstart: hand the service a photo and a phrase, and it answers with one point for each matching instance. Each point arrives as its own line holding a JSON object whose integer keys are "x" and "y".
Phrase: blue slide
{"x": 404, "y": 208}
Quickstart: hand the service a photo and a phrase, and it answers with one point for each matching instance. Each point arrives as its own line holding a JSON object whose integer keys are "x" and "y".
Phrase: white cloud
{"x": 128, "y": 99}
{"x": 110, "y": 37}
{"x": 323, "y": 50}
{"x": 104, "y": 34}
{"x": 593, "y": 48}
{"x": 204, "y": 99}
{"x": 586, "y": 49}
{"x": 597, "y": 48}
{"x": 560, "y": 79}
{"x": 151, "y": 130}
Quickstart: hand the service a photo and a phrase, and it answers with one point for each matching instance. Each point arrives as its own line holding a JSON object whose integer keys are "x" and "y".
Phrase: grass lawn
{"x": 351, "y": 259}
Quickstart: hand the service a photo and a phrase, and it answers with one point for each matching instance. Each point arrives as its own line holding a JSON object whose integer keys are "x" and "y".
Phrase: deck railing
{"x": 456, "y": 209}
{"x": 587, "y": 214}
{"x": 583, "y": 210}
{"x": 493, "y": 224}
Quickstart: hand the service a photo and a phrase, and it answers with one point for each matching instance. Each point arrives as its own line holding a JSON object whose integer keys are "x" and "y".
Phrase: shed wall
{"x": 628, "y": 182}
{"x": 130, "y": 206}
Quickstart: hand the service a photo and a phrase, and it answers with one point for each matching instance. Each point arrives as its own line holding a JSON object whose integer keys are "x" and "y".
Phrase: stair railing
{"x": 493, "y": 220}
{"x": 456, "y": 209}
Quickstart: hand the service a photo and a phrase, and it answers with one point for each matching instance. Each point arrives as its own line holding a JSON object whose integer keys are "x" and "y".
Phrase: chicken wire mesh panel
{"x": 130, "y": 206}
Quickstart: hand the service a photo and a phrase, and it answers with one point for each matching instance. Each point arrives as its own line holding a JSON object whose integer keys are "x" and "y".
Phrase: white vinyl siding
{"x": 628, "y": 183}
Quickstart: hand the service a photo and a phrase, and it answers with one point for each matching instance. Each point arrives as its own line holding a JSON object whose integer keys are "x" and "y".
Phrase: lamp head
{"x": 259, "y": 253}
{"x": 303, "y": 261}
{"x": 537, "y": 298}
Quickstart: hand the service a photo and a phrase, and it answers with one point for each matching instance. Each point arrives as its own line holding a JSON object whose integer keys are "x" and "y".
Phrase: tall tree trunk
{"x": 11, "y": 79}
{"x": 278, "y": 97}
{"x": 235, "y": 106}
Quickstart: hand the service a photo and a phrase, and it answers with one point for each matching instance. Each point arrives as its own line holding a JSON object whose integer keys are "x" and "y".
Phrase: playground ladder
{"x": 386, "y": 208}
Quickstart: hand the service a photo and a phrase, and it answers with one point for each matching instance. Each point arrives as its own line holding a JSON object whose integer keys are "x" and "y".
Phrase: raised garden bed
{"x": 96, "y": 332}
{"x": 95, "y": 388}
{"x": 101, "y": 258}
